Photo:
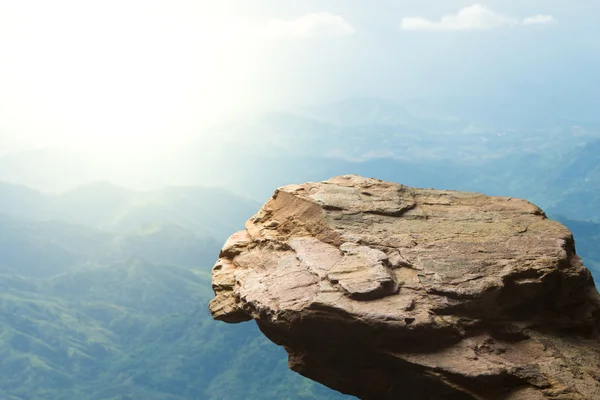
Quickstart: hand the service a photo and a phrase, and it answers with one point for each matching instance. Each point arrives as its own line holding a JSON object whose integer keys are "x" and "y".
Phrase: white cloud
{"x": 475, "y": 17}
{"x": 311, "y": 25}
{"x": 469, "y": 18}
{"x": 539, "y": 19}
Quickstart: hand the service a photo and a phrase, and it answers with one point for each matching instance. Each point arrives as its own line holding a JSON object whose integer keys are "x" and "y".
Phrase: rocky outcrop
{"x": 388, "y": 292}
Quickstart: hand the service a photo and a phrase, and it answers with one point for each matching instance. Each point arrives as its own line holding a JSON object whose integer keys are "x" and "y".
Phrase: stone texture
{"x": 388, "y": 292}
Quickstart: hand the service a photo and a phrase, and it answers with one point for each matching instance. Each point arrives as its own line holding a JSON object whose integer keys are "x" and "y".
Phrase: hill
{"x": 132, "y": 330}
{"x": 117, "y": 309}
{"x": 208, "y": 212}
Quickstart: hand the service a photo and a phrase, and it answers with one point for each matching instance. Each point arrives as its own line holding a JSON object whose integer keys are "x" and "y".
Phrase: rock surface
{"x": 383, "y": 291}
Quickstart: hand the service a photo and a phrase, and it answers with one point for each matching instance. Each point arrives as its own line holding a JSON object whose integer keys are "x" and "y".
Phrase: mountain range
{"x": 112, "y": 304}
{"x": 105, "y": 288}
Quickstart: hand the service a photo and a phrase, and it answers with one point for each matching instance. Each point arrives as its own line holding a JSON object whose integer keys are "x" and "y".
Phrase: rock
{"x": 383, "y": 291}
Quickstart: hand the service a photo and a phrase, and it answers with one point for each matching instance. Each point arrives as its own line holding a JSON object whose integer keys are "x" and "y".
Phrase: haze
{"x": 137, "y": 81}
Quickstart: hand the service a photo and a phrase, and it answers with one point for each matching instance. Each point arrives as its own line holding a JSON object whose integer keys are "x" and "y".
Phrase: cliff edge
{"x": 383, "y": 291}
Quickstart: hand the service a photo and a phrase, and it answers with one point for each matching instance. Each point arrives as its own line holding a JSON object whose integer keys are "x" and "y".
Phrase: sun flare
{"x": 119, "y": 74}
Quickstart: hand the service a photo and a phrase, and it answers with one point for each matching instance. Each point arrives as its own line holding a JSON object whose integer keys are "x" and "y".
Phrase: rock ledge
{"x": 383, "y": 291}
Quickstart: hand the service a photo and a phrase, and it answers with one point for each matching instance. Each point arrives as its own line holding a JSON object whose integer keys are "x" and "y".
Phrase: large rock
{"x": 388, "y": 292}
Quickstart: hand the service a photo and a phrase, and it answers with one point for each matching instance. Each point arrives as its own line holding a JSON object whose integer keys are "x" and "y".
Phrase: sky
{"x": 100, "y": 75}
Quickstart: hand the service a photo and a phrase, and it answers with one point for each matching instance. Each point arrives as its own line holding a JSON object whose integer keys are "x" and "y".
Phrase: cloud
{"x": 311, "y": 25}
{"x": 475, "y": 17}
{"x": 469, "y": 18}
{"x": 539, "y": 19}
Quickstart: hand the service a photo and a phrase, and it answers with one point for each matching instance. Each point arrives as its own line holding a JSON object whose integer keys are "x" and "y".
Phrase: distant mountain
{"x": 208, "y": 212}
{"x": 373, "y": 112}
{"x": 45, "y": 249}
{"x": 51, "y": 169}
{"x": 587, "y": 239}
{"x": 502, "y": 145}
{"x": 212, "y": 212}
{"x": 121, "y": 312}
{"x": 23, "y": 202}
{"x": 167, "y": 243}
{"x": 48, "y": 248}
{"x": 521, "y": 110}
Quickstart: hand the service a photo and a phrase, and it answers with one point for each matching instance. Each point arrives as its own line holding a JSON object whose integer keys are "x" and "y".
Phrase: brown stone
{"x": 383, "y": 291}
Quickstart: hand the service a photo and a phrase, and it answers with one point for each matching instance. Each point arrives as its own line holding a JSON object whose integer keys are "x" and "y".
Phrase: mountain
{"x": 47, "y": 248}
{"x": 208, "y": 212}
{"x": 131, "y": 330}
{"x": 367, "y": 112}
{"x": 587, "y": 237}
{"x": 492, "y": 145}
{"x": 23, "y": 202}
{"x": 36, "y": 249}
{"x": 51, "y": 169}
{"x": 119, "y": 310}
{"x": 104, "y": 288}
{"x": 578, "y": 182}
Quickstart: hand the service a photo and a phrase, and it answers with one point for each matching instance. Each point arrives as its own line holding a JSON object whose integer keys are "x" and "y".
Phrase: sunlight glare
{"x": 121, "y": 74}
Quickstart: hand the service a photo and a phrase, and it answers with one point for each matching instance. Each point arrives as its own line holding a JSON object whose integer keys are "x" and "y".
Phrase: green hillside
{"x": 132, "y": 330}
{"x": 119, "y": 311}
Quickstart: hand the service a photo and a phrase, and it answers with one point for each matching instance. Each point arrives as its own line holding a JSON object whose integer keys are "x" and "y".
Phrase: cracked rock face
{"x": 383, "y": 291}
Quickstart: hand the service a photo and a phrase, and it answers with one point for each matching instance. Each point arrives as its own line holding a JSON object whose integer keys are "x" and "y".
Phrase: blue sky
{"x": 379, "y": 59}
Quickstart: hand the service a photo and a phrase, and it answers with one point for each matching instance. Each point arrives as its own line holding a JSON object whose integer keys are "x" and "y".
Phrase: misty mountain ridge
{"x": 101, "y": 222}
{"x": 45, "y": 235}
{"x": 416, "y": 129}
{"x": 440, "y": 132}
{"x": 106, "y": 206}
{"x": 105, "y": 287}
{"x": 119, "y": 309}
